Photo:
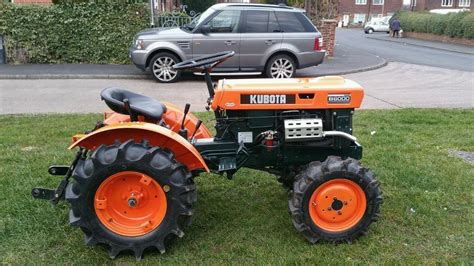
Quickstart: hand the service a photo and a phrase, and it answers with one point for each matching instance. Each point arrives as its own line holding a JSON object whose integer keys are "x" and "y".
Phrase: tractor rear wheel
{"x": 131, "y": 197}
{"x": 335, "y": 201}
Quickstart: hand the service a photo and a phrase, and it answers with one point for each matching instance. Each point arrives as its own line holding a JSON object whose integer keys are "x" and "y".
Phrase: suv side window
{"x": 256, "y": 21}
{"x": 273, "y": 25}
{"x": 226, "y": 21}
{"x": 261, "y": 22}
{"x": 288, "y": 22}
{"x": 294, "y": 22}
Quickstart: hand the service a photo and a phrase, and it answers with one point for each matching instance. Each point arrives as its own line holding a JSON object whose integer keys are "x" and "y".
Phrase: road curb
{"x": 73, "y": 76}
{"x": 144, "y": 76}
{"x": 362, "y": 69}
{"x": 419, "y": 45}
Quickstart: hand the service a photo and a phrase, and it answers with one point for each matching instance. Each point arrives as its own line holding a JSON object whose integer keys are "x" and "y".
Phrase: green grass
{"x": 245, "y": 220}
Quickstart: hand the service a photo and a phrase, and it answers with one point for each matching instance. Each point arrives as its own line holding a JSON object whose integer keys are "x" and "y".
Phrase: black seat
{"x": 139, "y": 104}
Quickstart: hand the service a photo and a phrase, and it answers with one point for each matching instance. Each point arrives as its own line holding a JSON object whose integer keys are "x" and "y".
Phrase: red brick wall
{"x": 328, "y": 30}
{"x": 349, "y": 7}
{"x": 422, "y": 5}
{"x": 41, "y": 2}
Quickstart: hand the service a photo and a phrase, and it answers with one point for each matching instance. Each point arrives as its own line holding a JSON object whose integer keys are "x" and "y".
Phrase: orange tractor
{"x": 131, "y": 185}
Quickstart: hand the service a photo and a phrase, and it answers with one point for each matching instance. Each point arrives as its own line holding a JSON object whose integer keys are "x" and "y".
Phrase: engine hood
{"x": 154, "y": 32}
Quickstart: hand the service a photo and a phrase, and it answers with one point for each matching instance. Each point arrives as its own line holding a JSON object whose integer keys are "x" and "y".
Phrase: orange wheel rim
{"x": 337, "y": 205}
{"x": 130, "y": 203}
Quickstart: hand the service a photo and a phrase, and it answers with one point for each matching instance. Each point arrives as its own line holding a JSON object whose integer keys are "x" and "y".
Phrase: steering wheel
{"x": 208, "y": 61}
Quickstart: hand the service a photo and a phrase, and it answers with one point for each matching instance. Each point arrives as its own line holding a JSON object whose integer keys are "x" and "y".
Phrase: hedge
{"x": 71, "y": 33}
{"x": 459, "y": 25}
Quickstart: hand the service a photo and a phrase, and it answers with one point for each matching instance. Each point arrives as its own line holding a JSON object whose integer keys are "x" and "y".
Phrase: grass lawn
{"x": 427, "y": 216}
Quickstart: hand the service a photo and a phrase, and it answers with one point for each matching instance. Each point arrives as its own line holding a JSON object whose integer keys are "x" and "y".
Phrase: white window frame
{"x": 464, "y": 3}
{"x": 361, "y": 2}
{"x": 446, "y": 3}
{"x": 380, "y": 2}
{"x": 359, "y": 14}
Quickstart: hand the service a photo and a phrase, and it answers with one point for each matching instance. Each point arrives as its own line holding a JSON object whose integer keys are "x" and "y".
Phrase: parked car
{"x": 270, "y": 39}
{"x": 377, "y": 24}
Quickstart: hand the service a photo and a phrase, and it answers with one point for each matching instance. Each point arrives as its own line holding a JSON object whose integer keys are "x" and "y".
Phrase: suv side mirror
{"x": 205, "y": 29}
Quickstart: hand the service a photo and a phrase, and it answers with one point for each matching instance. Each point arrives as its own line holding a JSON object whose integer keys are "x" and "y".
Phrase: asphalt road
{"x": 356, "y": 41}
{"x": 415, "y": 77}
{"x": 397, "y": 85}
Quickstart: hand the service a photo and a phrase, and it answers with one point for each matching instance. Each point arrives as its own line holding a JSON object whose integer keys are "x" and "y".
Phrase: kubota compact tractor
{"x": 132, "y": 178}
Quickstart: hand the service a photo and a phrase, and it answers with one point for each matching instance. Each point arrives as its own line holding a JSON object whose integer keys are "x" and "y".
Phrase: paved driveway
{"x": 397, "y": 85}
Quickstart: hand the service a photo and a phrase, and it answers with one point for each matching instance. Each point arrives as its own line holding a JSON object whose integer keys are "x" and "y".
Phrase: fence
{"x": 174, "y": 19}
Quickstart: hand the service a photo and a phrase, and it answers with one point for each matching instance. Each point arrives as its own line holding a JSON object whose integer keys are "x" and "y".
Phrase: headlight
{"x": 139, "y": 44}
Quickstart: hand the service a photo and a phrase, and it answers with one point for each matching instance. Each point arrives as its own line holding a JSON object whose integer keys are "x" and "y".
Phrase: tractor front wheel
{"x": 131, "y": 197}
{"x": 335, "y": 201}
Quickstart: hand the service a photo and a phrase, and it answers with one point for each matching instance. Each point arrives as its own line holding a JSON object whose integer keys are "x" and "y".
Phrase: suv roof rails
{"x": 257, "y": 5}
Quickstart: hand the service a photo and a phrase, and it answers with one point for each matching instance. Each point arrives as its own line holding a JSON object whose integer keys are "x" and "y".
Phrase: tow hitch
{"x": 55, "y": 195}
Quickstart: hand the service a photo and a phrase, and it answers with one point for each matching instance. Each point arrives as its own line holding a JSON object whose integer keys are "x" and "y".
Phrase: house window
{"x": 446, "y": 3}
{"x": 359, "y": 18}
{"x": 361, "y": 2}
{"x": 378, "y": 2}
{"x": 464, "y": 3}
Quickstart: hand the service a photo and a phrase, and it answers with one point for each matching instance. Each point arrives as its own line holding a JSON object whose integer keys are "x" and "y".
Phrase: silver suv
{"x": 272, "y": 39}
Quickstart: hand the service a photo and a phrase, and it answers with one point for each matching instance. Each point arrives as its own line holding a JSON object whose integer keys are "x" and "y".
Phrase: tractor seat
{"x": 139, "y": 104}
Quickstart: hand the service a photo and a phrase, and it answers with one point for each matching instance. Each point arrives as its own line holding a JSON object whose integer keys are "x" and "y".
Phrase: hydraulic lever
{"x": 198, "y": 125}
{"x": 183, "y": 132}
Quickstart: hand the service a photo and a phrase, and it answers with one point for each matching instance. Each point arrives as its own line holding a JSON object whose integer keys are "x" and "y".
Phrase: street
{"x": 414, "y": 77}
{"x": 357, "y": 42}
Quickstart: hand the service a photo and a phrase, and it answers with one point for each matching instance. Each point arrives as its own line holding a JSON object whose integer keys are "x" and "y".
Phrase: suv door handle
{"x": 230, "y": 42}
{"x": 270, "y": 42}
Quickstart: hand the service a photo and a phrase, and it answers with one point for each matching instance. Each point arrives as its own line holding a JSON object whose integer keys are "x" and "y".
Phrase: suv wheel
{"x": 280, "y": 66}
{"x": 371, "y": 31}
{"x": 161, "y": 67}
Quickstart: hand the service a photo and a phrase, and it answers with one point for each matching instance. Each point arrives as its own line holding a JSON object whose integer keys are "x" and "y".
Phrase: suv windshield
{"x": 196, "y": 21}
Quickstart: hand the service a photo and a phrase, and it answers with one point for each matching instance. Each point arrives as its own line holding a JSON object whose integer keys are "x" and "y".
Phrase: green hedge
{"x": 454, "y": 24}
{"x": 71, "y": 33}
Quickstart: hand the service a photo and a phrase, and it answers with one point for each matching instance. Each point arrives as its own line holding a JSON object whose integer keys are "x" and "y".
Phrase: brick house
{"x": 420, "y": 5}
{"x": 360, "y": 11}
{"x": 356, "y": 12}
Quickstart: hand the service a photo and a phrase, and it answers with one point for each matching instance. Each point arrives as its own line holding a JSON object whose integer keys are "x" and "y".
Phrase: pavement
{"x": 415, "y": 76}
{"x": 458, "y": 48}
{"x": 343, "y": 62}
{"x": 398, "y": 85}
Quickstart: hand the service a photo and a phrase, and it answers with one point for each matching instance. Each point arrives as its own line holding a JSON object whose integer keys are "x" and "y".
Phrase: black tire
{"x": 316, "y": 174}
{"x": 155, "y": 62}
{"x": 370, "y": 31}
{"x": 274, "y": 61}
{"x": 130, "y": 156}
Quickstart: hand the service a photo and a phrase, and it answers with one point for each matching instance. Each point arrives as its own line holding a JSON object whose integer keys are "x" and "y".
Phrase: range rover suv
{"x": 269, "y": 39}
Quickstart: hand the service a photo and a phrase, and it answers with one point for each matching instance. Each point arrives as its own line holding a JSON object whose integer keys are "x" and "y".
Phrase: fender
{"x": 156, "y": 135}
{"x": 172, "y": 117}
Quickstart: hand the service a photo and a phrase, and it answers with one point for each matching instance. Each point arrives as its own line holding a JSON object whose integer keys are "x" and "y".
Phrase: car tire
{"x": 280, "y": 66}
{"x": 161, "y": 67}
{"x": 371, "y": 31}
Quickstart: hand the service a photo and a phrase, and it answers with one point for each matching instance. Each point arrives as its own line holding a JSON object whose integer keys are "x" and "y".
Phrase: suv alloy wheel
{"x": 280, "y": 66}
{"x": 161, "y": 66}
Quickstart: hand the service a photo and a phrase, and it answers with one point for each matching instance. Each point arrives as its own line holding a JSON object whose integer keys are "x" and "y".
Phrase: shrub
{"x": 454, "y": 24}
{"x": 71, "y": 33}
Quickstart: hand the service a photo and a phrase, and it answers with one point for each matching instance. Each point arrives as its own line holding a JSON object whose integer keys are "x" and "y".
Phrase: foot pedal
{"x": 227, "y": 163}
